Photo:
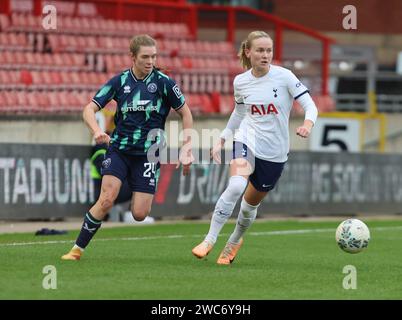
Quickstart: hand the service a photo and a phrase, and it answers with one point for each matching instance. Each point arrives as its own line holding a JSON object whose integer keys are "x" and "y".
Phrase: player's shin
{"x": 225, "y": 205}
{"x": 246, "y": 217}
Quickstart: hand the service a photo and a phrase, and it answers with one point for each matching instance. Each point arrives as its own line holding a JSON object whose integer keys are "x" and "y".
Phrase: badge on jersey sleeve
{"x": 177, "y": 91}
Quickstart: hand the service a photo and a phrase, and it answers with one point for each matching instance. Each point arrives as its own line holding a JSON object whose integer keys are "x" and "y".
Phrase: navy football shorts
{"x": 265, "y": 174}
{"x": 141, "y": 175}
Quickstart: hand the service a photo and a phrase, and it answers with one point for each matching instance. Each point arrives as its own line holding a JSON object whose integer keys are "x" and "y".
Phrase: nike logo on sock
{"x": 91, "y": 230}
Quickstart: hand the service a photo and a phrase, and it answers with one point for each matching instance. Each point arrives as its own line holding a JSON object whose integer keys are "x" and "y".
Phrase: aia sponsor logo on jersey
{"x": 263, "y": 109}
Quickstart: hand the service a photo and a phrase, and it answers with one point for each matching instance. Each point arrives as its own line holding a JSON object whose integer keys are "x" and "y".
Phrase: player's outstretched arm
{"x": 310, "y": 117}
{"x": 89, "y": 118}
{"x": 186, "y": 154}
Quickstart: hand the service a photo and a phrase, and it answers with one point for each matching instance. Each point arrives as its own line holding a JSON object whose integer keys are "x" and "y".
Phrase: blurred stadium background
{"x": 350, "y": 166}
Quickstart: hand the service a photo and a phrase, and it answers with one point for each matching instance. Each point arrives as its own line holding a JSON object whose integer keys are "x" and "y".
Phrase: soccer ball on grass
{"x": 352, "y": 235}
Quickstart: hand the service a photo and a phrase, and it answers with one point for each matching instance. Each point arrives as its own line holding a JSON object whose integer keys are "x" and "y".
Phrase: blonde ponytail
{"x": 244, "y": 61}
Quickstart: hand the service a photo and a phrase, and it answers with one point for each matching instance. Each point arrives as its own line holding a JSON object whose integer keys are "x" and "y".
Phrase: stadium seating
{"x": 47, "y": 61}
{"x": 14, "y": 41}
{"x": 226, "y": 104}
{"x": 44, "y": 102}
{"x": 323, "y": 103}
{"x": 40, "y": 70}
{"x": 201, "y": 82}
{"x": 23, "y": 22}
{"x": 200, "y": 104}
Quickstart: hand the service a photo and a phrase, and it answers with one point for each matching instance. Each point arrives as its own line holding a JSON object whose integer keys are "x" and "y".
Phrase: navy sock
{"x": 88, "y": 230}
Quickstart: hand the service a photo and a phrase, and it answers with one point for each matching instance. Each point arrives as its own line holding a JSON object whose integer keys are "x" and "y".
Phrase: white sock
{"x": 246, "y": 217}
{"x": 225, "y": 205}
{"x": 77, "y": 247}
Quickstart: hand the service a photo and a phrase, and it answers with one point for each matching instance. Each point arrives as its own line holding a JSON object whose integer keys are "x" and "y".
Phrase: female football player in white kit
{"x": 263, "y": 100}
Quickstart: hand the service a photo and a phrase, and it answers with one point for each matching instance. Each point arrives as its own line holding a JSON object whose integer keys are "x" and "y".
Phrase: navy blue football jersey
{"x": 142, "y": 105}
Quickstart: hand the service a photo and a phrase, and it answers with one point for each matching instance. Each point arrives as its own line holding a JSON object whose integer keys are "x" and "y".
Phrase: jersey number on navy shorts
{"x": 150, "y": 168}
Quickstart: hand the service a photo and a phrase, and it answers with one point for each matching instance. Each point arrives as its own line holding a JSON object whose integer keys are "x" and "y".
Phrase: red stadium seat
{"x": 94, "y": 24}
{"x": 36, "y": 78}
{"x": 83, "y": 98}
{"x": 200, "y": 103}
{"x": 65, "y": 78}
{"x": 11, "y": 98}
{"x": 31, "y": 58}
{"x": 3, "y": 102}
{"x": 87, "y": 9}
{"x": 194, "y": 103}
{"x": 54, "y": 101}
{"x": 4, "y": 76}
{"x": 19, "y": 58}
{"x": 207, "y": 105}
{"x": 75, "y": 78}
{"x": 26, "y": 77}
{"x": 4, "y": 22}
{"x": 95, "y": 78}
{"x": 324, "y": 103}
{"x": 54, "y": 78}
{"x": 72, "y": 102}
{"x": 41, "y": 99}
{"x": 187, "y": 63}
{"x": 226, "y": 104}
{"x": 22, "y": 98}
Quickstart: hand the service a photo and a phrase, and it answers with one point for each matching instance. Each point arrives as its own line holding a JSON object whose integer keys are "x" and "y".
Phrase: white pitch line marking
{"x": 179, "y": 236}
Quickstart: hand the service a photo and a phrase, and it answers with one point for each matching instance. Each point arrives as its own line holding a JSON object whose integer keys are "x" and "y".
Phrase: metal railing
{"x": 389, "y": 103}
{"x": 360, "y": 102}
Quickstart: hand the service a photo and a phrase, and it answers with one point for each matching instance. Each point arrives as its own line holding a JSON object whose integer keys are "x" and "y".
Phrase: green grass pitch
{"x": 279, "y": 260}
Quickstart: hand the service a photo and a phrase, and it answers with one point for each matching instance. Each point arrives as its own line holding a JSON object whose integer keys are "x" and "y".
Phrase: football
{"x": 352, "y": 235}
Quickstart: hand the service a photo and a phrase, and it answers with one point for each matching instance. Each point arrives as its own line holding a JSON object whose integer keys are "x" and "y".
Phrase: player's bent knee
{"x": 236, "y": 186}
{"x": 140, "y": 214}
{"x": 138, "y": 217}
{"x": 236, "y": 191}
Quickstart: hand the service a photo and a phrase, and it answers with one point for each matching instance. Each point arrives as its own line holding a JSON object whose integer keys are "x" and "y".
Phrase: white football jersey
{"x": 266, "y": 102}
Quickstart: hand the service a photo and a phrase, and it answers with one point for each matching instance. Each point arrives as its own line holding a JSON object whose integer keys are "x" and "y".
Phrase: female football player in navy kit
{"x": 144, "y": 97}
{"x": 264, "y": 97}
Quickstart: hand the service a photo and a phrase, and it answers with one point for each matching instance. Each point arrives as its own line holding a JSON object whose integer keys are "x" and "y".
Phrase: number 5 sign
{"x": 335, "y": 135}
